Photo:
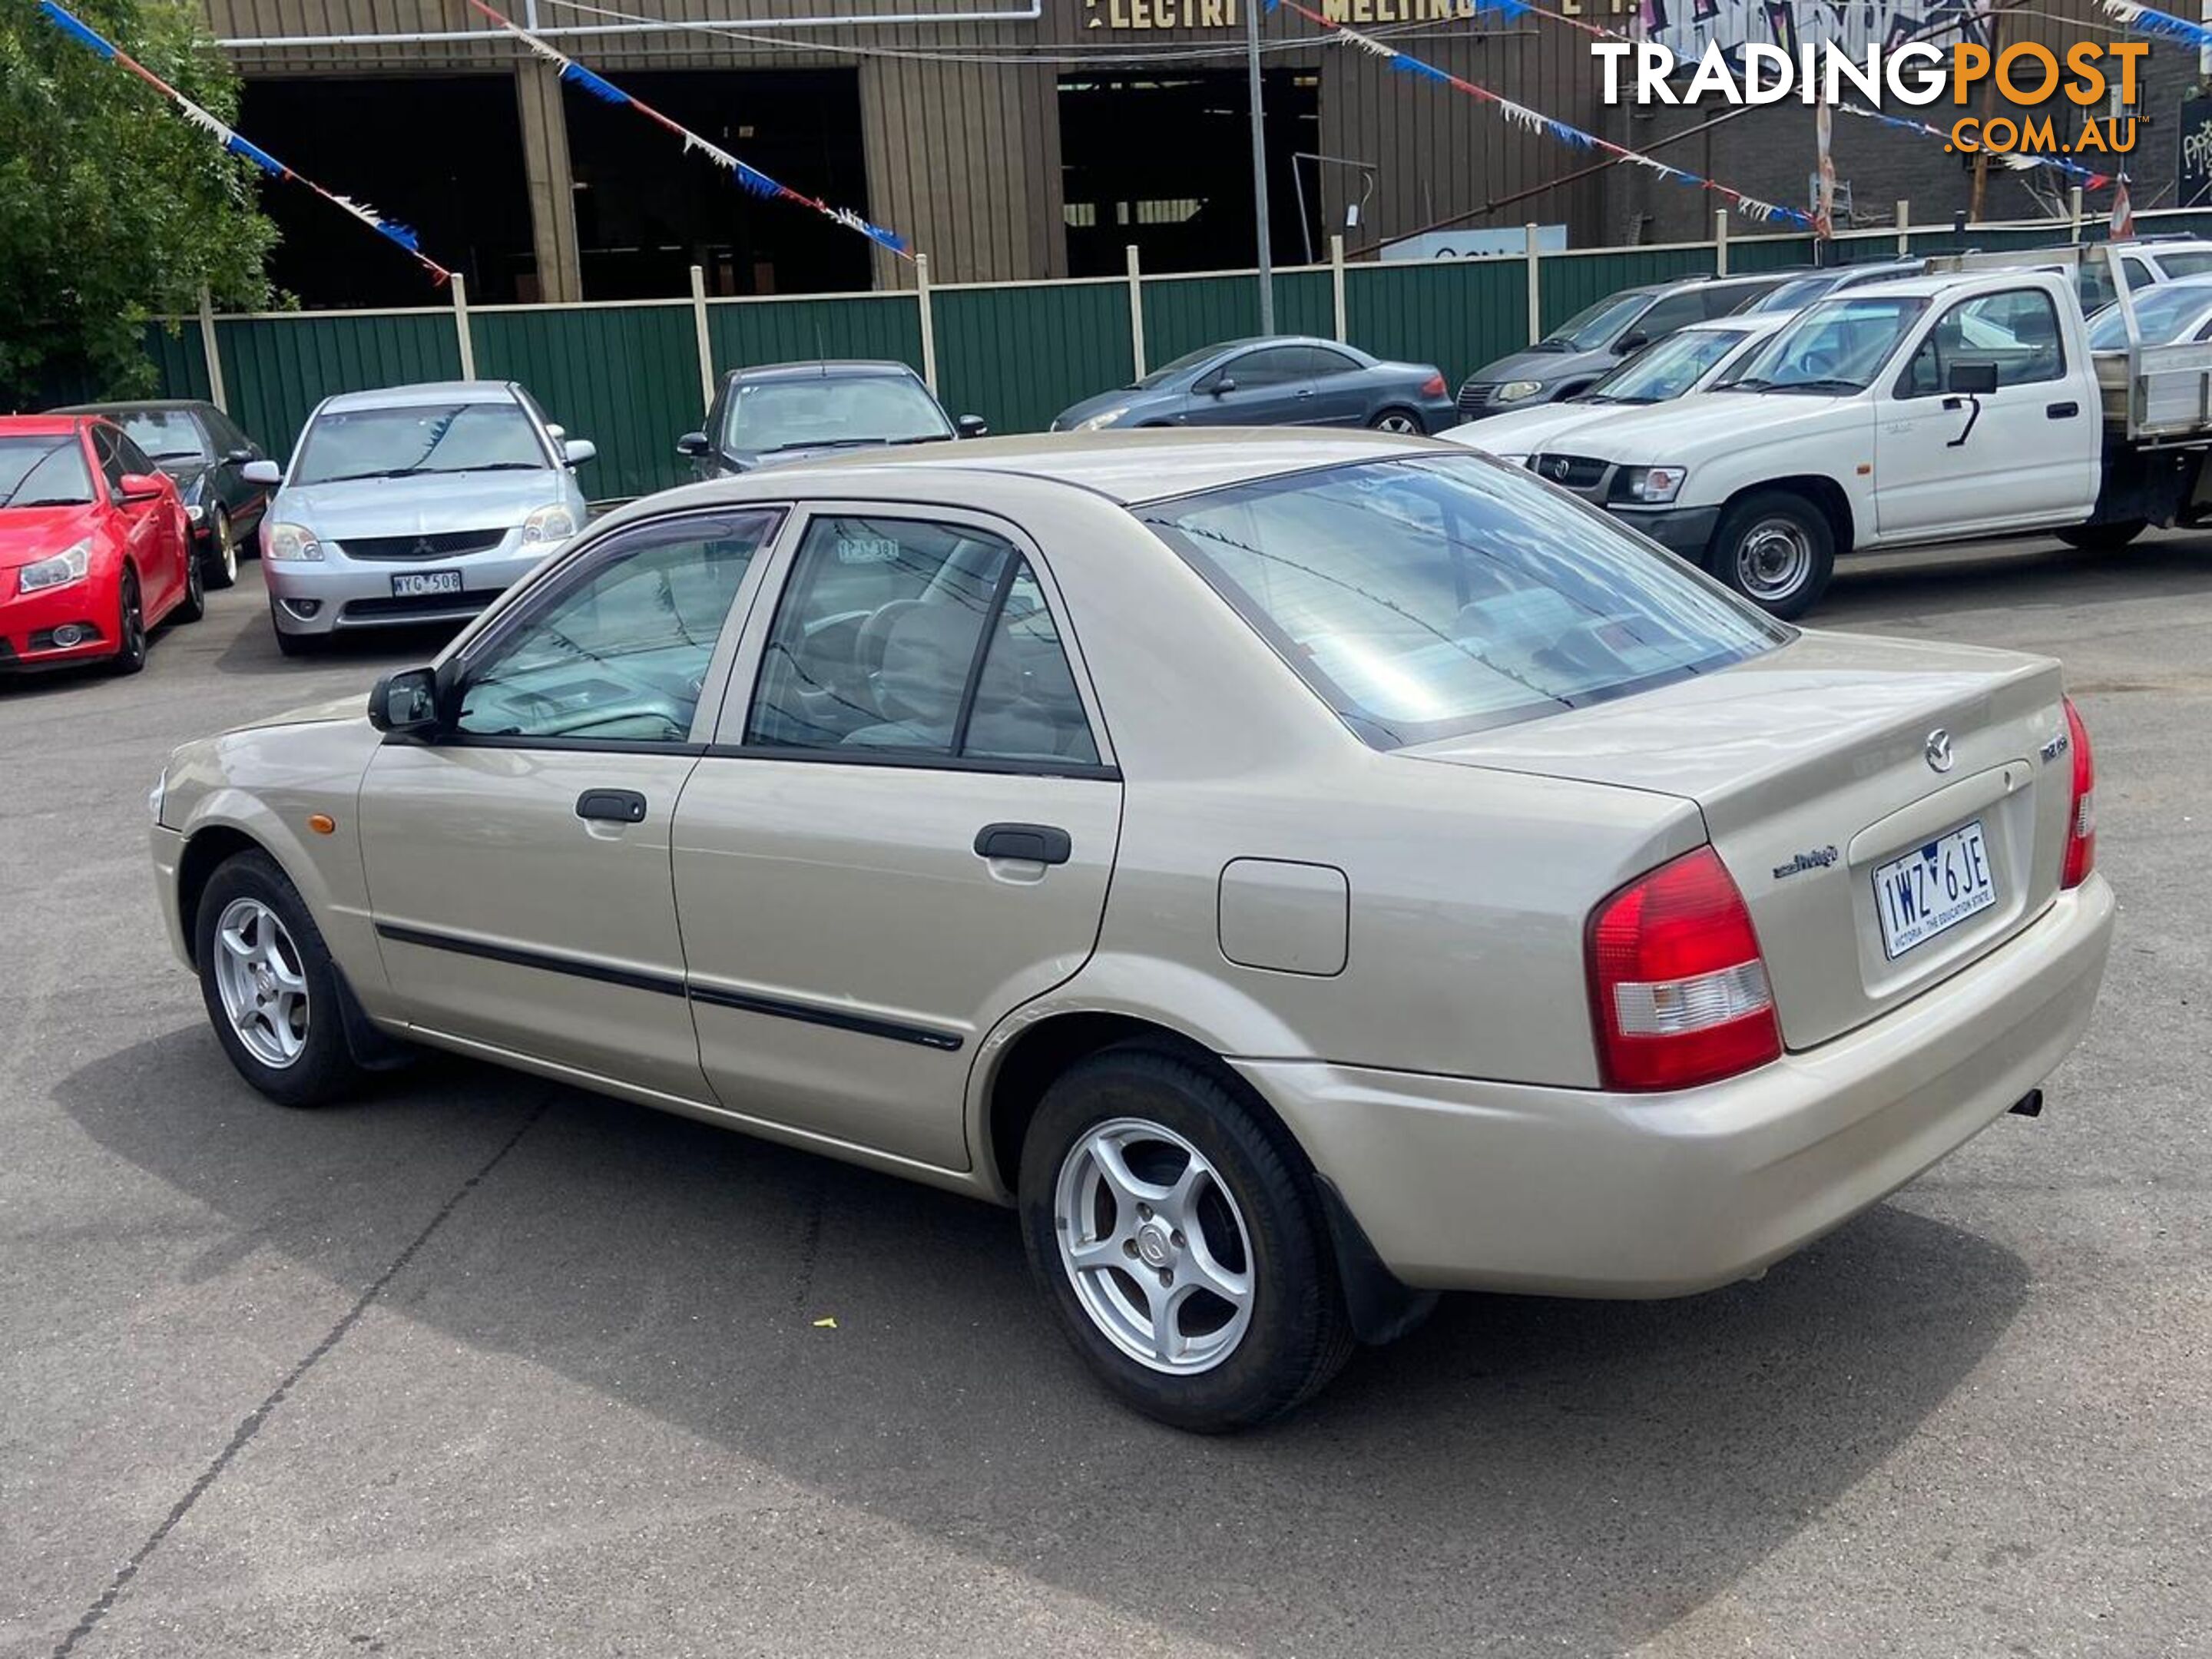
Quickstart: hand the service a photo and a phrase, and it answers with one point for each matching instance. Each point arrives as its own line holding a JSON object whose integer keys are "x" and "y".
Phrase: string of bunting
{"x": 1530, "y": 120}
{"x": 2161, "y": 24}
{"x": 2091, "y": 180}
{"x": 751, "y": 179}
{"x": 92, "y": 40}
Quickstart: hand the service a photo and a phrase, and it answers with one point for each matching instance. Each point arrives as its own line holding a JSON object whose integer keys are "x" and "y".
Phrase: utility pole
{"x": 1260, "y": 166}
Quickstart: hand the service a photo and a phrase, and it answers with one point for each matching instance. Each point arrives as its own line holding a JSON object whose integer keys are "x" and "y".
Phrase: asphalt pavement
{"x": 482, "y": 1365}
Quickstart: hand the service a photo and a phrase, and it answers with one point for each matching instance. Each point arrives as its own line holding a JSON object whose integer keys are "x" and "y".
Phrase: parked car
{"x": 2165, "y": 313}
{"x": 788, "y": 412}
{"x": 413, "y": 504}
{"x": 2147, "y": 261}
{"x": 1800, "y": 291}
{"x": 1279, "y": 380}
{"x": 207, "y": 453}
{"x": 1583, "y": 349}
{"x": 94, "y": 547}
{"x": 1689, "y": 359}
{"x": 1455, "y": 925}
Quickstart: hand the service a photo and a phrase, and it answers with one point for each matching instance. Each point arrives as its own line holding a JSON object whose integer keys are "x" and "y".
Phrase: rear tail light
{"x": 1678, "y": 987}
{"x": 2081, "y": 813}
{"x": 1433, "y": 386}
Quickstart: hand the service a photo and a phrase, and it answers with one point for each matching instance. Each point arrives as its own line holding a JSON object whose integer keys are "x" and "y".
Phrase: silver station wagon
{"x": 1302, "y": 872}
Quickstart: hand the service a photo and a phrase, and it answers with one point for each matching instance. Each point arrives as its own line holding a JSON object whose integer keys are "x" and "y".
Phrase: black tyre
{"x": 2103, "y": 537}
{"x": 1398, "y": 420}
{"x": 1181, "y": 1247}
{"x": 1776, "y": 549}
{"x": 271, "y": 993}
{"x": 194, "y": 605}
{"x": 220, "y": 560}
{"x": 131, "y": 626}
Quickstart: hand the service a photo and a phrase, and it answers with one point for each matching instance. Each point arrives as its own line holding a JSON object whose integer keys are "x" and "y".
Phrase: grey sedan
{"x": 1284, "y": 381}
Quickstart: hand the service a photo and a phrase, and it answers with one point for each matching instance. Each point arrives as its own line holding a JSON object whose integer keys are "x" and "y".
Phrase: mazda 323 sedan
{"x": 1302, "y": 872}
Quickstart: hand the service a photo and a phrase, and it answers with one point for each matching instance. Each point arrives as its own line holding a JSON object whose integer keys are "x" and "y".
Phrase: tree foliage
{"x": 112, "y": 206}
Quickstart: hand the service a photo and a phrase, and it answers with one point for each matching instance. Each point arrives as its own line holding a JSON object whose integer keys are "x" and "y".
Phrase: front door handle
{"x": 2061, "y": 411}
{"x": 1039, "y": 843}
{"x": 613, "y": 806}
{"x": 1305, "y": 391}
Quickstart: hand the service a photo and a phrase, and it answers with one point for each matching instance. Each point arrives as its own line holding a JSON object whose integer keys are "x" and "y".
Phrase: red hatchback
{"x": 95, "y": 546}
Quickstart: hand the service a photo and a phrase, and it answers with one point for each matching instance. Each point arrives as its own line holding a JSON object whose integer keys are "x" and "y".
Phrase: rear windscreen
{"x": 1424, "y": 597}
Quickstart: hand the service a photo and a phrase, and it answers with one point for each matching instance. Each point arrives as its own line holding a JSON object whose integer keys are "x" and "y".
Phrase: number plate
{"x": 1924, "y": 893}
{"x": 415, "y": 583}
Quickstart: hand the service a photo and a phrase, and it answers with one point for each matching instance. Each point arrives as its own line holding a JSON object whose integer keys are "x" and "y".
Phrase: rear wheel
{"x": 2103, "y": 537}
{"x": 1181, "y": 1248}
{"x": 1398, "y": 420}
{"x": 1776, "y": 549}
{"x": 270, "y": 991}
{"x": 222, "y": 550}
{"x": 131, "y": 626}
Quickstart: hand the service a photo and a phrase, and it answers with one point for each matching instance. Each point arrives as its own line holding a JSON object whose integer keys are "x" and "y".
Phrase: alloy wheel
{"x": 259, "y": 975}
{"x": 1154, "y": 1244}
{"x": 226, "y": 547}
{"x": 1395, "y": 422}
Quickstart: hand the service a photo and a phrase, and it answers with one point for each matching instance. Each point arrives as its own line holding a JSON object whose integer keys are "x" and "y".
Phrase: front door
{"x": 1948, "y": 463}
{"x": 519, "y": 864}
{"x": 1271, "y": 386}
{"x": 903, "y": 831}
{"x": 148, "y": 532}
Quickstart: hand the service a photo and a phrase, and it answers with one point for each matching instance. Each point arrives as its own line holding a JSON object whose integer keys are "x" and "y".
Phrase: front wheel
{"x": 1778, "y": 551}
{"x": 2103, "y": 537}
{"x": 270, "y": 991}
{"x": 193, "y": 605}
{"x": 1182, "y": 1252}
{"x": 221, "y": 565}
{"x": 131, "y": 626}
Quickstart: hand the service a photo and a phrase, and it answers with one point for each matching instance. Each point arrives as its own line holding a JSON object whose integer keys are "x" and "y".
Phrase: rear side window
{"x": 1425, "y": 598}
{"x": 919, "y": 639}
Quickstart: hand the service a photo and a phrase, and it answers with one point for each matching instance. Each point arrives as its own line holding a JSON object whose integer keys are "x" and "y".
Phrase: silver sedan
{"x": 1300, "y": 872}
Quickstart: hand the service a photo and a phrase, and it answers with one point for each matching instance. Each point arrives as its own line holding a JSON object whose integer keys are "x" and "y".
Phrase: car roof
{"x": 50, "y": 425}
{"x": 428, "y": 391}
{"x": 825, "y": 368}
{"x": 134, "y": 405}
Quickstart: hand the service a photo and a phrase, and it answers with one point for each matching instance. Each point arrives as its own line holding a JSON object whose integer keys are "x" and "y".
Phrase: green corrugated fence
{"x": 628, "y": 376}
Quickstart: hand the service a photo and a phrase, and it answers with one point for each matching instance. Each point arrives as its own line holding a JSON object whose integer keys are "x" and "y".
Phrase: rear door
{"x": 903, "y": 831}
{"x": 518, "y": 866}
{"x": 2028, "y": 453}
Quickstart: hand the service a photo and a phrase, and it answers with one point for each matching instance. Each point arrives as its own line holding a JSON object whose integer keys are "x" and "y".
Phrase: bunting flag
{"x": 2089, "y": 178}
{"x": 87, "y": 37}
{"x": 2124, "y": 214}
{"x": 1535, "y": 121}
{"x": 749, "y": 179}
{"x": 2163, "y": 25}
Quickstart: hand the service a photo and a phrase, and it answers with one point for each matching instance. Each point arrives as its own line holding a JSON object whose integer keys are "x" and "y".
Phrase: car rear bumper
{"x": 325, "y": 596}
{"x": 1462, "y": 1184}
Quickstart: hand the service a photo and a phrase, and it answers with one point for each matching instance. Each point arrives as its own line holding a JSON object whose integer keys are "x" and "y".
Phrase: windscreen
{"x": 1592, "y": 326}
{"x": 1837, "y": 347}
{"x": 2163, "y": 314}
{"x": 419, "y": 438}
{"x": 771, "y": 415}
{"x": 1181, "y": 365}
{"x": 1426, "y": 598}
{"x": 1798, "y": 293}
{"x": 1670, "y": 369}
{"x": 167, "y": 434}
{"x": 44, "y": 472}
{"x": 2185, "y": 262}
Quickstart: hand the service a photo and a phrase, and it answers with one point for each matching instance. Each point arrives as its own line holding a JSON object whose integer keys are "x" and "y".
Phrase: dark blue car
{"x": 1285, "y": 380}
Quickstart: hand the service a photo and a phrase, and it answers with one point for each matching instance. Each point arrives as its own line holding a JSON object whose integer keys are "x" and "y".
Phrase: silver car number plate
{"x": 416, "y": 583}
{"x": 1923, "y": 893}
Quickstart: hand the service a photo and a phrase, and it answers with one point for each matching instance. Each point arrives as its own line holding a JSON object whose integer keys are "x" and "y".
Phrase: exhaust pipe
{"x": 2029, "y": 1104}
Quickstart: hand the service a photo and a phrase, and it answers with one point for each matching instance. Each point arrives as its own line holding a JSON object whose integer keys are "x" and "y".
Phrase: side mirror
{"x": 973, "y": 426}
{"x": 238, "y": 458}
{"x": 1971, "y": 380}
{"x": 405, "y": 701}
{"x": 577, "y": 450}
{"x": 140, "y": 487}
{"x": 1227, "y": 383}
{"x": 262, "y": 472}
{"x": 1633, "y": 341}
{"x": 693, "y": 444}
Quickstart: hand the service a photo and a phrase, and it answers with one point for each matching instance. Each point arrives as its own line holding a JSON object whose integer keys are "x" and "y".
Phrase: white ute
{"x": 1934, "y": 408}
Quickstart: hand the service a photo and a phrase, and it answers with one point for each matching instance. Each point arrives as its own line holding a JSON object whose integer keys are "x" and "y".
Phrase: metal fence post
{"x": 461, "y": 327}
{"x": 214, "y": 356}
{"x": 1535, "y": 288}
{"x": 1720, "y": 241}
{"x": 1904, "y": 228}
{"x": 2074, "y": 215}
{"x": 1136, "y": 311}
{"x": 699, "y": 329}
{"x": 929, "y": 324}
{"x": 1336, "y": 286}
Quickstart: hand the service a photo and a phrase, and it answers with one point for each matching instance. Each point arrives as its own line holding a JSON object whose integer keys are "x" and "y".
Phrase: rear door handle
{"x": 1039, "y": 843}
{"x": 2061, "y": 411}
{"x": 614, "y": 805}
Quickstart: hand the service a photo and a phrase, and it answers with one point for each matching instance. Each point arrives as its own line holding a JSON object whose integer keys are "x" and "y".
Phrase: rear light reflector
{"x": 2082, "y": 811}
{"x": 1433, "y": 386}
{"x": 1677, "y": 988}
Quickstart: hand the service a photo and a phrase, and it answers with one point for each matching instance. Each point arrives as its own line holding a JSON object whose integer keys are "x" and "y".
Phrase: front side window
{"x": 133, "y": 457}
{"x": 1425, "y": 598}
{"x": 402, "y": 441}
{"x": 105, "y": 450}
{"x": 44, "y": 472}
{"x": 766, "y": 415}
{"x": 1836, "y": 348}
{"x": 619, "y": 650}
{"x": 167, "y": 434}
{"x": 1276, "y": 365}
{"x": 915, "y": 638}
{"x": 1675, "y": 312}
{"x": 2015, "y": 330}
